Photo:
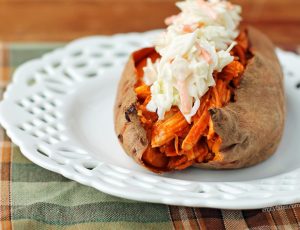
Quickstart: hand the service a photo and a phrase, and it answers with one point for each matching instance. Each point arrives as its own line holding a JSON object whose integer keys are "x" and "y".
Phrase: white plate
{"x": 59, "y": 110}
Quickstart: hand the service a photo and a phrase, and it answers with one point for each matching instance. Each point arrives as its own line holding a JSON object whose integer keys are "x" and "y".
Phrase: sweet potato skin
{"x": 250, "y": 128}
{"x": 130, "y": 132}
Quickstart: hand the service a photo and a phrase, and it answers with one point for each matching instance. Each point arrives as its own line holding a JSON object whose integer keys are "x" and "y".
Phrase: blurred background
{"x": 64, "y": 20}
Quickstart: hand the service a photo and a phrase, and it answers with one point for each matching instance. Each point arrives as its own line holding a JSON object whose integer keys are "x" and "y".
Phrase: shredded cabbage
{"x": 196, "y": 43}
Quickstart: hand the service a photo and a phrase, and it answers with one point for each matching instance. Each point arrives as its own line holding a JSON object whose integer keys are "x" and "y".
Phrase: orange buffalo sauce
{"x": 174, "y": 143}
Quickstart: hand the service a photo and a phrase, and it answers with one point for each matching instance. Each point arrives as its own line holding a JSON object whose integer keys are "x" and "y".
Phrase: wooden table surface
{"x": 64, "y": 20}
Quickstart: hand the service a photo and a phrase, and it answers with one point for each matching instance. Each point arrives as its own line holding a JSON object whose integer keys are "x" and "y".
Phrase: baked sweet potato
{"x": 239, "y": 124}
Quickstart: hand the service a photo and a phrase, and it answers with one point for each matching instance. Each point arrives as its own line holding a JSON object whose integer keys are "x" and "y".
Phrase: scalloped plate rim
{"x": 227, "y": 204}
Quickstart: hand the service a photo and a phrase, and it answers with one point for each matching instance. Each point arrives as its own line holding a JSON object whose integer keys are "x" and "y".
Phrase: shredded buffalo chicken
{"x": 175, "y": 144}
